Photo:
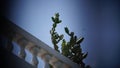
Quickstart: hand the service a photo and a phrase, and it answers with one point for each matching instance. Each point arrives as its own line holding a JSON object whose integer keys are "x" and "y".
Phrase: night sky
{"x": 98, "y": 21}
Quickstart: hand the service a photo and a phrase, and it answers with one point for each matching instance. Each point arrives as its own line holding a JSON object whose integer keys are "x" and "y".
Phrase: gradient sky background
{"x": 98, "y": 21}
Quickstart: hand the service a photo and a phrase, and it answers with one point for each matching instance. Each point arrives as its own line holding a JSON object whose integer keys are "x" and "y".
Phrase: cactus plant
{"x": 55, "y": 37}
{"x": 71, "y": 49}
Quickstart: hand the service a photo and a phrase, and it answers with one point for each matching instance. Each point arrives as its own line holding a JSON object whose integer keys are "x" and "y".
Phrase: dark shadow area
{"x": 4, "y": 6}
{"x": 7, "y": 58}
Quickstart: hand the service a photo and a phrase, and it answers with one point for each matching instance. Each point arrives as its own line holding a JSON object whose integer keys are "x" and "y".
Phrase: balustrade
{"x": 37, "y": 48}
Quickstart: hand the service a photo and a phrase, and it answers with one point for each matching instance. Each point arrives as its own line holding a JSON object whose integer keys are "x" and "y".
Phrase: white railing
{"x": 36, "y": 47}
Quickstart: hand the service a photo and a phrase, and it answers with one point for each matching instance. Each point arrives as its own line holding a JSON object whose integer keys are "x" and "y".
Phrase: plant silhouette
{"x": 71, "y": 49}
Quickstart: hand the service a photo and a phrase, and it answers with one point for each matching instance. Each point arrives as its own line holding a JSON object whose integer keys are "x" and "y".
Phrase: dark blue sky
{"x": 98, "y": 21}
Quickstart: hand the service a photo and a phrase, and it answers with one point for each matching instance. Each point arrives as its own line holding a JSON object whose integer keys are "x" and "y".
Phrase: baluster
{"x": 17, "y": 39}
{"x": 22, "y": 43}
{"x": 35, "y": 61}
{"x": 9, "y": 46}
{"x": 46, "y": 59}
{"x": 22, "y": 53}
{"x": 45, "y": 56}
{"x": 42, "y": 53}
{"x": 34, "y": 50}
